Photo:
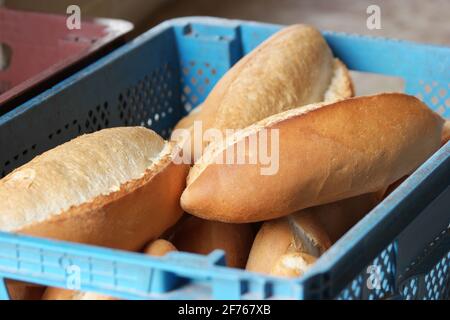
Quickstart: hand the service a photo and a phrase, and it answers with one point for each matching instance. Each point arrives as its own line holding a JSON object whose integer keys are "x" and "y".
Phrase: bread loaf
{"x": 288, "y": 246}
{"x": 293, "y": 67}
{"x": 117, "y": 188}
{"x": 295, "y": 234}
{"x": 203, "y": 236}
{"x": 326, "y": 153}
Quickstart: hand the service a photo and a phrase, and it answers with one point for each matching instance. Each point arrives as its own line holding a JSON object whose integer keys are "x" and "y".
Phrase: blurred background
{"x": 415, "y": 20}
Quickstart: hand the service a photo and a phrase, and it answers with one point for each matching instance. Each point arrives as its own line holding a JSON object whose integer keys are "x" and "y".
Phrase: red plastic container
{"x": 39, "y": 50}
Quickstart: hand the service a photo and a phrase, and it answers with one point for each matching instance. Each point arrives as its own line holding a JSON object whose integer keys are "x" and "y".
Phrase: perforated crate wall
{"x": 435, "y": 94}
{"x": 197, "y": 80}
{"x": 150, "y": 102}
{"x": 376, "y": 281}
{"x": 434, "y": 285}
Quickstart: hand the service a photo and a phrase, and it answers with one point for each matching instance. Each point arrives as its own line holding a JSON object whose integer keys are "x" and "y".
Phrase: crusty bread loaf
{"x": 288, "y": 235}
{"x": 203, "y": 236}
{"x": 116, "y": 187}
{"x": 293, "y": 67}
{"x": 288, "y": 246}
{"x": 156, "y": 248}
{"x": 327, "y": 152}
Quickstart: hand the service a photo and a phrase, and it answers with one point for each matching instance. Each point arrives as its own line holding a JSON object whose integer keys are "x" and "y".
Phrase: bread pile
{"x": 337, "y": 157}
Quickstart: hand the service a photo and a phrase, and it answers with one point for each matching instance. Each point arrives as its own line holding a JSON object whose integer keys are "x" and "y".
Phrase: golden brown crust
{"x": 77, "y": 172}
{"x": 326, "y": 153}
{"x": 293, "y": 67}
{"x": 124, "y": 216}
{"x": 203, "y": 236}
{"x": 151, "y": 205}
{"x": 272, "y": 241}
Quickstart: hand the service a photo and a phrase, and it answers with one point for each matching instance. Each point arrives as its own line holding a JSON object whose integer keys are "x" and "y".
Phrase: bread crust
{"x": 293, "y": 67}
{"x": 139, "y": 211}
{"x": 202, "y": 236}
{"x": 151, "y": 205}
{"x": 327, "y": 152}
{"x": 288, "y": 237}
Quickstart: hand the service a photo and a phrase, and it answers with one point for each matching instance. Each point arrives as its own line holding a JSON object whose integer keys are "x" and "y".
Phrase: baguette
{"x": 296, "y": 234}
{"x": 202, "y": 236}
{"x": 293, "y": 67}
{"x": 327, "y": 152}
{"x": 288, "y": 246}
{"x": 156, "y": 248}
{"x": 116, "y": 188}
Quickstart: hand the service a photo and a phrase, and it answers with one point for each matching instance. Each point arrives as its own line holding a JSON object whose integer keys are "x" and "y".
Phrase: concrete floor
{"x": 415, "y": 20}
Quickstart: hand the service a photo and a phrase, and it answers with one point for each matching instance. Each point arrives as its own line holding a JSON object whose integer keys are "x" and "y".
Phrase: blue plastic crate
{"x": 153, "y": 81}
